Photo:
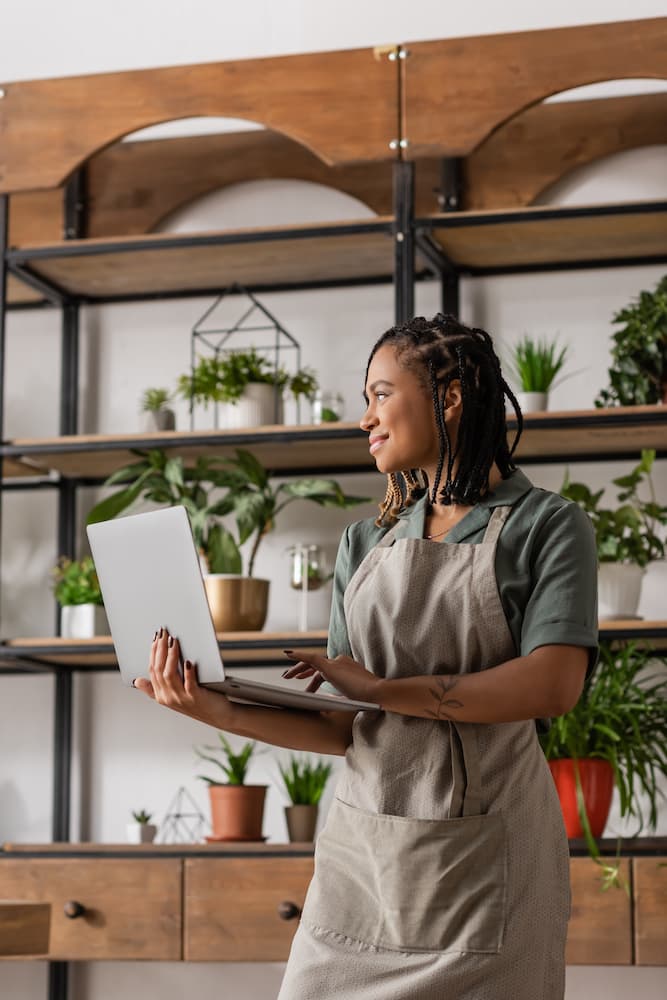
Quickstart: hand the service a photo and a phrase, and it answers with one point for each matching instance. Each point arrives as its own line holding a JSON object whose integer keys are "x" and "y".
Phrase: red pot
{"x": 597, "y": 783}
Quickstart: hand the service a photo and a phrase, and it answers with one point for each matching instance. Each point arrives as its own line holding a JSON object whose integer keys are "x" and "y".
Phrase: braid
{"x": 439, "y": 351}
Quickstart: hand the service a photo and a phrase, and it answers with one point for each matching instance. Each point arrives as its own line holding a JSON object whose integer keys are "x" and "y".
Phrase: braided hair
{"x": 438, "y": 351}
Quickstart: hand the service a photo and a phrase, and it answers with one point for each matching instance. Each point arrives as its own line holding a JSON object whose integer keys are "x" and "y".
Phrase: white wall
{"x": 128, "y": 752}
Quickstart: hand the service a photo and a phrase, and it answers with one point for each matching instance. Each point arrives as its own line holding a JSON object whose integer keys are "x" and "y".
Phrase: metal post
{"x": 404, "y": 241}
{"x": 449, "y": 293}
{"x": 58, "y": 975}
{"x": 450, "y": 199}
{"x": 62, "y": 743}
{"x": 4, "y": 233}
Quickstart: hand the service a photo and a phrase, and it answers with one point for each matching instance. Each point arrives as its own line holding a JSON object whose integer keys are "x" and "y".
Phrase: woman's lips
{"x": 375, "y": 443}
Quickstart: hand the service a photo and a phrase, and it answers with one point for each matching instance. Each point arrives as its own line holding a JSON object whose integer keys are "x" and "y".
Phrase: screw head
{"x": 404, "y": 144}
{"x": 404, "y": 53}
{"x": 392, "y": 56}
{"x": 393, "y": 144}
{"x": 2, "y": 93}
{"x": 400, "y": 237}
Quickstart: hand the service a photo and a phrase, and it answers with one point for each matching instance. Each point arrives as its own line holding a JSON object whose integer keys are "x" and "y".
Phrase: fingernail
{"x": 161, "y": 631}
{"x": 188, "y": 665}
{"x": 284, "y": 674}
{"x": 171, "y": 641}
{"x": 133, "y": 680}
{"x": 290, "y": 652}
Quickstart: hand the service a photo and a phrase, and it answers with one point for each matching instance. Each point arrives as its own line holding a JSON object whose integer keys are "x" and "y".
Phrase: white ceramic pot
{"x": 83, "y": 621}
{"x": 140, "y": 833}
{"x": 255, "y": 408}
{"x": 533, "y": 402}
{"x": 159, "y": 420}
{"x": 619, "y": 589}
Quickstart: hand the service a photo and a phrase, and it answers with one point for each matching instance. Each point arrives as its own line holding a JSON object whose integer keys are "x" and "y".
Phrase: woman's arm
{"x": 545, "y": 683}
{"x": 327, "y": 732}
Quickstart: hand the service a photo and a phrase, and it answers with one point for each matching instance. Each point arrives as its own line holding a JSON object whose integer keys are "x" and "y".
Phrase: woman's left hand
{"x": 347, "y": 676}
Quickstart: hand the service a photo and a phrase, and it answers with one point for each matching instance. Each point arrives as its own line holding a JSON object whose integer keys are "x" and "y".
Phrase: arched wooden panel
{"x": 340, "y": 105}
{"x": 544, "y": 144}
{"x": 457, "y": 92}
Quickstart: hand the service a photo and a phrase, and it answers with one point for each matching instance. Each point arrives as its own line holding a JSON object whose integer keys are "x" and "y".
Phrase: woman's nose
{"x": 368, "y": 421}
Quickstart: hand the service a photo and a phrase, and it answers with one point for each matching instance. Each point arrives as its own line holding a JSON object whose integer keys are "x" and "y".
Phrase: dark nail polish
{"x": 188, "y": 665}
{"x": 133, "y": 680}
{"x": 290, "y": 652}
{"x": 171, "y": 641}
{"x": 284, "y": 673}
{"x": 161, "y": 631}
{"x": 154, "y": 636}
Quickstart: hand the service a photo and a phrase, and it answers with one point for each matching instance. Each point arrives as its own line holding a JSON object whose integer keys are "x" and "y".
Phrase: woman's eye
{"x": 380, "y": 395}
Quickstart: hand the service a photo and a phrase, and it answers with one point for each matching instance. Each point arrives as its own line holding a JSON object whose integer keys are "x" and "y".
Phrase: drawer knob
{"x": 288, "y": 910}
{"x": 73, "y": 909}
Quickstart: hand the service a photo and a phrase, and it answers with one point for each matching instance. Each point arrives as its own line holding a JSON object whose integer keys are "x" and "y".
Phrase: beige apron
{"x": 442, "y": 871}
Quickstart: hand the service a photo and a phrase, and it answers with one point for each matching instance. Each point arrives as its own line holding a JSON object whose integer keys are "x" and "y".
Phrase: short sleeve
{"x": 338, "y": 642}
{"x": 562, "y": 607}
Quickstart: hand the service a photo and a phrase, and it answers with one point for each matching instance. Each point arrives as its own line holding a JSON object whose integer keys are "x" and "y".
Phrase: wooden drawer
{"x": 131, "y": 909}
{"x": 600, "y": 931}
{"x": 650, "y": 901}
{"x": 232, "y": 907}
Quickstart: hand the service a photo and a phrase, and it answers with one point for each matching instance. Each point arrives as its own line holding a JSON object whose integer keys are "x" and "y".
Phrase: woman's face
{"x": 399, "y": 419}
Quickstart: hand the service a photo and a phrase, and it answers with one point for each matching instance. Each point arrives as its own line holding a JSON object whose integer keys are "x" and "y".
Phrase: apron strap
{"x": 466, "y": 799}
{"x": 496, "y": 522}
{"x": 389, "y": 538}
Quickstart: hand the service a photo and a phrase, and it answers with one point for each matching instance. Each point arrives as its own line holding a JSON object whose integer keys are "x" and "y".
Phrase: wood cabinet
{"x": 102, "y": 908}
{"x": 650, "y": 910}
{"x": 600, "y": 929}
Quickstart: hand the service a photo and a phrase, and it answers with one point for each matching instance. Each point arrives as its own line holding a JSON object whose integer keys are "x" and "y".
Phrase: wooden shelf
{"x": 540, "y": 238}
{"x": 564, "y": 435}
{"x": 239, "y": 649}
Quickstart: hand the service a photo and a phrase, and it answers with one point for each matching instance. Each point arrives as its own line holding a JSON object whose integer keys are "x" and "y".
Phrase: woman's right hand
{"x": 182, "y": 694}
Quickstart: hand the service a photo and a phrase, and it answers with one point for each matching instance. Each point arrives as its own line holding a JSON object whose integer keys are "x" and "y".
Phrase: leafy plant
{"x": 305, "y": 781}
{"x": 222, "y": 378}
{"x": 620, "y": 719}
{"x": 248, "y": 495}
{"x": 234, "y": 765}
{"x": 534, "y": 364}
{"x": 154, "y": 400}
{"x": 141, "y": 816}
{"x": 639, "y": 354}
{"x": 75, "y": 582}
{"x": 627, "y": 533}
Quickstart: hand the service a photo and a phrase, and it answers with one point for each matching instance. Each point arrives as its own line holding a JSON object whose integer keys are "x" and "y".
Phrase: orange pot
{"x": 597, "y": 783}
{"x": 237, "y": 811}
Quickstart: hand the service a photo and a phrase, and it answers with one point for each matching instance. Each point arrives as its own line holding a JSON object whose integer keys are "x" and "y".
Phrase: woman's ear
{"x": 453, "y": 395}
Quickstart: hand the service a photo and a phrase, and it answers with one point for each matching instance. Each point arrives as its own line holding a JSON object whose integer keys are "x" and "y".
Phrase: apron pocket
{"x": 410, "y": 884}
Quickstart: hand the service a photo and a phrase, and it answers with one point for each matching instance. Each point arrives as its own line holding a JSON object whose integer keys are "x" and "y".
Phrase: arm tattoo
{"x": 443, "y": 685}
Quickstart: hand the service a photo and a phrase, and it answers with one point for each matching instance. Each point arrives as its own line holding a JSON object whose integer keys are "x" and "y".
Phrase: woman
{"x": 467, "y": 611}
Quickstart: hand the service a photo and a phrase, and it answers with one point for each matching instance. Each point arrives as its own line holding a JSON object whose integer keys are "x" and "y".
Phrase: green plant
{"x": 639, "y": 354}
{"x": 534, "y": 364}
{"x": 305, "y": 781}
{"x": 628, "y": 532}
{"x": 248, "y": 495}
{"x": 236, "y": 764}
{"x": 154, "y": 400}
{"x": 223, "y": 378}
{"x": 141, "y": 816}
{"x": 75, "y": 582}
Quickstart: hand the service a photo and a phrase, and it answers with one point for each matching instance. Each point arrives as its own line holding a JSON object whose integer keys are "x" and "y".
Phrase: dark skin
{"x": 400, "y": 422}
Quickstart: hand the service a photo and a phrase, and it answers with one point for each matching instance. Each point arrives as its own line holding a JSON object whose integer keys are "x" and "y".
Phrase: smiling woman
{"x": 466, "y": 611}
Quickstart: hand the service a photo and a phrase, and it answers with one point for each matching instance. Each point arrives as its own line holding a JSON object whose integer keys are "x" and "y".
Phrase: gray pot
{"x": 301, "y": 823}
{"x": 159, "y": 420}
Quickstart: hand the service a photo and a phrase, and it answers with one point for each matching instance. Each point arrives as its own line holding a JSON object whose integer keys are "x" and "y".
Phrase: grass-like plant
{"x": 141, "y": 816}
{"x": 153, "y": 400}
{"x": 233, "y": 765}
{"x": 75, "y": 582}
{"x": 305, "y": 781}
{"x": 534, "y": 364}
{"x": 627, "y": 533}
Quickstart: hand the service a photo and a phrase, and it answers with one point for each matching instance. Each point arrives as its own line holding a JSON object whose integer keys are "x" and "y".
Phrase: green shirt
{"x": 546, "y": 565}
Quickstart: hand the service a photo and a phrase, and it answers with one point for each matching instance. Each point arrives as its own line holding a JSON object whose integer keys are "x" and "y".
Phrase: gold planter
{"x": 237, "y": 603}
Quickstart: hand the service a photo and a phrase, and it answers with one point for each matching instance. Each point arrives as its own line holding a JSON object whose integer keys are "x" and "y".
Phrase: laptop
{"x": 150, "y": 577}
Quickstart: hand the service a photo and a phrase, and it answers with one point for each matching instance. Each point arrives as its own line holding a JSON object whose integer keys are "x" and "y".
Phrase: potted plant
{"x": 615, "y": 736}
{"x": 158, "y": 416}
{"x": 237, "y": 809}
{"x": 626, "y": 536}
{"x": 238, "y": 601}
{"x": 534, "y": 365}
{"x": 78, "y": 593}
{"x": 141, "y": 830}
{"x": 248, "y": 384}
{"x": 639, "y": 356}
{"x": 304, "y": 783}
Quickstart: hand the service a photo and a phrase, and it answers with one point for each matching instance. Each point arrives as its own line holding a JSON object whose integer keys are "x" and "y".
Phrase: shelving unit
{"x": 448, "y": 151}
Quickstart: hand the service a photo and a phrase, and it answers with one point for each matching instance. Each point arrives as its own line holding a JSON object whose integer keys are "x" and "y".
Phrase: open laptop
{"x": 150, "y": 577}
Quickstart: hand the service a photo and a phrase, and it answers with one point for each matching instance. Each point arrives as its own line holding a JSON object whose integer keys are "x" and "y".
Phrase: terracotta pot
{"x": 597, "y": 782}
{"x": 237, "y": 811}
{"x": 237, "y": 603}
{"x": 301, "y": 823}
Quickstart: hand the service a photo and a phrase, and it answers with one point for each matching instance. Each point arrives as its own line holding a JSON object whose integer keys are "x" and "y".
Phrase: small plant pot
{"x": 237, "y": 603}
{"x": 159, "y": 420}
{"x": 83, "y": 621}
{"x": 301, "y": 823}
{"x": 597, "y": 783}
{"x": 619, "y": 590}
{"x": 533, "y": 402}
{"x": 140, "y": 833}
{"x": 237, "y": 811}
{"x": 255, "y": 408}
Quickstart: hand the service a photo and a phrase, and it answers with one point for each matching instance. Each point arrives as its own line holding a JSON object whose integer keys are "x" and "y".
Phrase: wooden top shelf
{"x": 562, "y": 435}
{"x": 239, "y": 649}
{"x": 540, "y": 238}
